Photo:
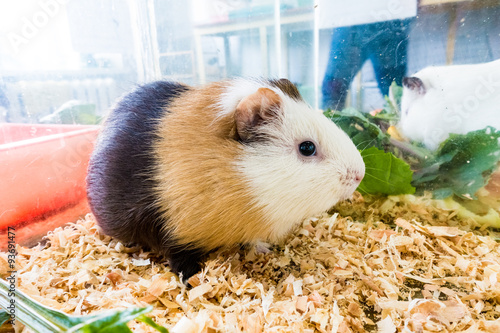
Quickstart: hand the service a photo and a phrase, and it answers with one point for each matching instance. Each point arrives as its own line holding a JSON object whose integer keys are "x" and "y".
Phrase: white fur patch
{"x": 289, "y": 187}
{"x": 239, "y": 89}
{"x": 458, "y": 99}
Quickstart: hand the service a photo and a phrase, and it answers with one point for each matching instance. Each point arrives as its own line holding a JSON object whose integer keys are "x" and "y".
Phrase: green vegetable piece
{"x": 385, "y": 174}
{"x": 393, "y": 102}
{"x": 110, "y": 321}
{"x": 150, "y": 322}
{"x": 442, "y": 193}
{"x": 34, "y": 315}
{"x": 42, "y": 319}
{"x": 462, "y": 165}
{"x": 4, "y": 316}
{"x": 362, "y": 131}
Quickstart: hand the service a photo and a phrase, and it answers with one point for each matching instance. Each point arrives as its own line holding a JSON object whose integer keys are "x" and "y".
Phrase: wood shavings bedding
{"x": 389, "y": 265}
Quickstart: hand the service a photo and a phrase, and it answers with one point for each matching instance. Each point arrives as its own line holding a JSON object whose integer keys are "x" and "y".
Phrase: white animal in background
{"x": 438, "y": 101}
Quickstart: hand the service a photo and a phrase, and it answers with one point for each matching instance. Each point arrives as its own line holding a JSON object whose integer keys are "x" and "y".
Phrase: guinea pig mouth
{"x": 349, "y": 185}
{"x": 352, "y": 178}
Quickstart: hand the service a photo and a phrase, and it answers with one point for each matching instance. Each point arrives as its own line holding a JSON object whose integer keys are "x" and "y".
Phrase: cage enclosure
{"x": 415, "y": 85}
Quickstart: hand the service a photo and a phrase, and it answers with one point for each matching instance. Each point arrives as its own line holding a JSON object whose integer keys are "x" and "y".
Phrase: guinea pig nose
{"x": 358, "y": 176}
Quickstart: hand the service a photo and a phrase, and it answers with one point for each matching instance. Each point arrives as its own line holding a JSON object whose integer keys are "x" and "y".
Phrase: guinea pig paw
{"x": 262, "y": 247}
{"x": 186, "y": 262}
{"x": 186, "y": 272}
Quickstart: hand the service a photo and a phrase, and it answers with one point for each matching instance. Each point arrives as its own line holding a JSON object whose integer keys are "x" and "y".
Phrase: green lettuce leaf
{"x": 462, "y": 164}
{"x": 110, "y": 321}
{"x": 43, "y": 319}
{"x": 4, "y": 316}
{"x": 359, "y": 127}
{"x": 393, "y": 102}
{"x": 459, "y": 168}
{"x": 385, "y": 174}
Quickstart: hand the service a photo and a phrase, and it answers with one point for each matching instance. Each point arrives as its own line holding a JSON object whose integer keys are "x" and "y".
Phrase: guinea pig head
{"x": 414, "y": 110}
{"x": 296, "y": 162}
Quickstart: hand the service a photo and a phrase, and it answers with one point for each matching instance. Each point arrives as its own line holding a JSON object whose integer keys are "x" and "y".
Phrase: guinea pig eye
{"x": 307, "y": 148}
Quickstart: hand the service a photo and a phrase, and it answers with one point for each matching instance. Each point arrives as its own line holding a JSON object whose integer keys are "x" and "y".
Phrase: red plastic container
{"x": 42, "y": 177}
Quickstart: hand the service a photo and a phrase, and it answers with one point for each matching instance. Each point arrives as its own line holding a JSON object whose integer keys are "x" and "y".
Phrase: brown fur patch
{"x": 287, "y": 88}
{"x": 254, "y": 109}
{"x": 205, "y": 198}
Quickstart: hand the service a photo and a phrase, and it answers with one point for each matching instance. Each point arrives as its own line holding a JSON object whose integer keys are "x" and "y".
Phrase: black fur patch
{"x": 287, "y": 88}
{"x": 414, "y": 83}
{"x": 186, "y": 261}
{"x": 120, "y": 183}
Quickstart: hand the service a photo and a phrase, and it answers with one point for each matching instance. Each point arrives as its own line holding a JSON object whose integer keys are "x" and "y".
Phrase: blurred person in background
{"x": 385, "y": 43}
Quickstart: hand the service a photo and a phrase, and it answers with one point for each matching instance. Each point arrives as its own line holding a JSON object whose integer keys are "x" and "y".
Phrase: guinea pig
{"x": 456, "y": 99}
{"x": 184, "y": 171}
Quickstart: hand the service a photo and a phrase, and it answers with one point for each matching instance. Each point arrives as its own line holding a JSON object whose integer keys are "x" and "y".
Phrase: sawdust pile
{"x": 388, "y": 266}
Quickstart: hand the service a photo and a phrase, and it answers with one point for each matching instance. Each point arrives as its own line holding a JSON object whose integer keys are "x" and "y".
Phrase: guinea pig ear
{"x": 255, "y": 109}
{"x": 415, "y": 84}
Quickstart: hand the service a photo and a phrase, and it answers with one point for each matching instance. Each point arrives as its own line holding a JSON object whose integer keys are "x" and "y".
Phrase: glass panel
{"x": 221, "y": 39}
{"x": 67, "y": 62}
{"x": 59, "y": 66}
{"x": 362, "y": 50}
{"x": 297, "y": 47}
{"x": 389, "y": 72}
{"x": 62, "y": 65}
{"x": 441, "y": 117}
